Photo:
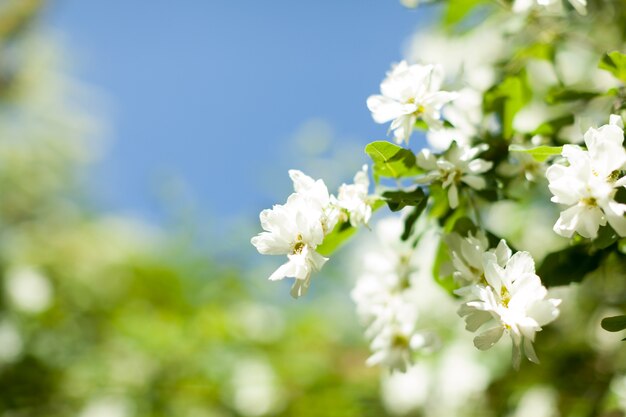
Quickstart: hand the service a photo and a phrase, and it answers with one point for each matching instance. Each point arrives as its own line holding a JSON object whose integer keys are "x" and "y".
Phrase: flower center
{"x": 400, "y": 341}
{"x": 505, "y": 296}
{"x": 298, "y": 246}
{"x": 589, "y": 201}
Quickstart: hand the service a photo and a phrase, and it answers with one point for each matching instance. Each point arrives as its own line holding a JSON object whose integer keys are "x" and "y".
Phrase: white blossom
{"x": 410, "y": 93}
{"x": 511, "y": 295}
{"x": 385, "y": 300}
{"x": 354, "y": 198}
{"x": 467, "y": 256}
{"x": 465, "y": 114}
{"x": 589, "y": 183}
{"x": 296, "y": 229}
{"x": 457, "y": 165}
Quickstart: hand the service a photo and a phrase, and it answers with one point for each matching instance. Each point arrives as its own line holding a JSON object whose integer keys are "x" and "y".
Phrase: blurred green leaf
{"x": 615, "y": 63}
{"x": 552, "y": 127}
{"x": 540, "y": 153}
{"x": 614, "y": 324}
{"x": 457, "y": 10}
{"x": 409, "y": 223}
{"x": 507, "y": 98}
{"x": 560, "y": 95}
{"x": 568, "y": 265}
{"x": 397, "y": 200}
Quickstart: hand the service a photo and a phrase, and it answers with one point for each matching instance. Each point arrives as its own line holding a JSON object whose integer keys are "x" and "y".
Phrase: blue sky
{"x": 210, "y": 94}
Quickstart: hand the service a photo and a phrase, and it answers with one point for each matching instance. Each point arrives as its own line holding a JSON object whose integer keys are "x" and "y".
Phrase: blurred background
{"x": 138, "y": 143}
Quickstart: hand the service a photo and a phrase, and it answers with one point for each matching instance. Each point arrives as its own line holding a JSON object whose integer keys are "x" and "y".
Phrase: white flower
{"x": 515, "y": 299}
{"x": 410, "y": 93}
{"x": 354, "y": 198}
{"x": 589, "y": 183}
{"x": 467, "y": 256}
{"x": 296, "y": 229}
{"x": 465, "y": 114}
{"x": 385, "y": 300}
{"x": 316, "y": 194}
{"x": 553, "y": 6}
{"x": 458, "y": 165}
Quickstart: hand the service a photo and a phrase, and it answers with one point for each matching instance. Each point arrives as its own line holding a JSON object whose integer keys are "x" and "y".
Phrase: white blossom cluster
{"x": 589, "y": 182}
{"x": 385, "y": 299}
{"x": 410, "y": 93}
{"x": 299, "y": 226}
{"x": 457, "y": 166}
{"x": 501, "y": 289}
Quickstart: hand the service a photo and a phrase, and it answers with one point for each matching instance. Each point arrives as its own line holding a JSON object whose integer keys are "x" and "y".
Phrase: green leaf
{"x": 391, "y": 160}
{"x": 397, "y": 200}
{"x": 340, "y": 234}
{"x": 552, "y": 127}
{"x": 409, "y": 223}
{"x": 457, "y": 10}
{"x": 615, "y": 63}
{"x": 508, "y": 98}
{"x": 614, "y": 324}
{"x": 606, "y": 237}
{"x": 568, "y": 265}
{"x": 442, "y": 269}
{"x": 540, "y": 153}
{"x": 560, "y": 95}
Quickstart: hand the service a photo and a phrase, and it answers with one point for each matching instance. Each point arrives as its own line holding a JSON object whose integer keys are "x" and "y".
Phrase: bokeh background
{"x": 138, "y": 143}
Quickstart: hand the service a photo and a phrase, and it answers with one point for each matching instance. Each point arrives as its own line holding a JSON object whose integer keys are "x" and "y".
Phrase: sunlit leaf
{"x": 540, "y": 153}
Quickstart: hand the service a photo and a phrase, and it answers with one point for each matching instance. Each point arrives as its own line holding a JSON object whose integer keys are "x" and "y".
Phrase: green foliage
{"x": 568, "y": 265}
{"x": 539, "y": 153}
{"x": 614, "y": 324}
{"x": 397, "y": 200}
{"x": 457, "y": 10}
{"x": 615, "y": 63}
{"x": 561, "y": 95}
{"x": 340, "y": 234}
{"x": 391, "y": 161}
{"x": 552, "y": 127}
{"x": 411, "y": 219}
{"x": 506, "y": 99}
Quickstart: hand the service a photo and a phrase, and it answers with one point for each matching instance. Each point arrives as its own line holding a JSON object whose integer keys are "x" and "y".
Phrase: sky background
{"x": 212, "y": 101}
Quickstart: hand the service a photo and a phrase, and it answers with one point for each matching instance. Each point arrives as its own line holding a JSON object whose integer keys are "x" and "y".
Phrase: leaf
{"x": 340, "y": 234}
{"x": 560, "y": 95}
{"x": 606, "y": 237}
{"x": 540, "y": 153}
{"x": 442, "y": 269}
{"x": 507, "y": 98}
{"x": 615, "y": 63}
{"x": 409, "y": 223}
{"x": 457, "y": 10}
{"x": 568, "y": 265}
{"x": 614, "y": 324}
{"x": 397, "y": 200}
{"x": 552, "y": 127}
{"x": 391, "y": 160}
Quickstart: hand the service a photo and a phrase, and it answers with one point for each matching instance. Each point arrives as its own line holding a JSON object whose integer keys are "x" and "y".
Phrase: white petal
{"x": 488, "y": 338}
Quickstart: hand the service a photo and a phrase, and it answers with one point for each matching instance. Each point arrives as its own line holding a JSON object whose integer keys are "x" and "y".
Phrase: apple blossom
{"x": 589, "y": 183}
{"x": 410, "y": 93}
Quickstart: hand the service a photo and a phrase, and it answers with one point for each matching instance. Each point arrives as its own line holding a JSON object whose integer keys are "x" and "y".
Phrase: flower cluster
{"x": 410, "y": 93}
{"x": 503, "y": 289}
{"x": 589, "y": 182}
{"x": 385, "y": 298}
{"x": 299, "y": 226}
{"x": 458, "y": 165}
